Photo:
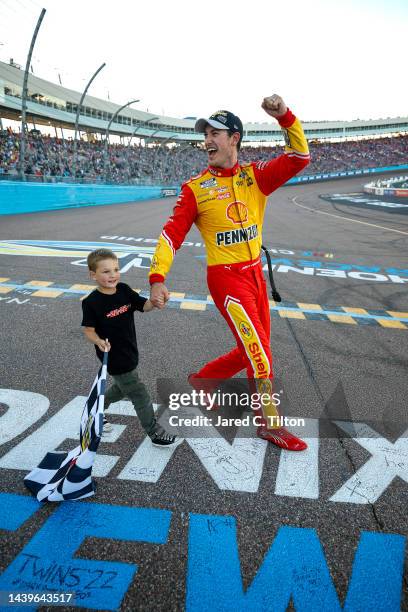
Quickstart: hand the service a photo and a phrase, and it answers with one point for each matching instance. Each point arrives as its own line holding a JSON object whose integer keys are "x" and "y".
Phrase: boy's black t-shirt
{"x": 112, "y": 317}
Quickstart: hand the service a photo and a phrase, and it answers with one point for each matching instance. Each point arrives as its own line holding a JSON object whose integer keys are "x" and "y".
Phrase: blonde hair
{"x": 96, "y": 256}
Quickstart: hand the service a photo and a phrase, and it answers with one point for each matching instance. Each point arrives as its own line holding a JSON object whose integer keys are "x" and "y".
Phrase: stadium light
{"x": 74, "y": 157}
{"x": 176, "y": 152}
{"x": 158, "y": 149}
{"x": 21, "y": 159}
{"x": 105, "y": 156}
{"x": 141, "y": 125}
{"x": 151, "y": 136}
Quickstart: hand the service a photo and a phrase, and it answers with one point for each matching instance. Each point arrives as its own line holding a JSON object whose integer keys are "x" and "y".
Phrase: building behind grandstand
{"x": 163, "y": 148}
{"x": 52, "y": 104}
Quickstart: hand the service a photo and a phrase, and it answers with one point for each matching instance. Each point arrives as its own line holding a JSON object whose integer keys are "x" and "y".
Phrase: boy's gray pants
{"x": 129, "y": 386}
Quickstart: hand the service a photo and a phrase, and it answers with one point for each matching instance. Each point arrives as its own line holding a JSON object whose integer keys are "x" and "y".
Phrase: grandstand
{"x": 164, "y": 149}
{"x": 53, "y": 157}
{"x": 51, "y": 103}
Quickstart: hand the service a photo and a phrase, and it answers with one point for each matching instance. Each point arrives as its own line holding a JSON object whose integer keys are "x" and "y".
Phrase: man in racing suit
{"x": 227, "y": 203}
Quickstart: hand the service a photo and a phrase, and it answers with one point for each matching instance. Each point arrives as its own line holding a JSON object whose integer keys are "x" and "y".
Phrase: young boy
{"x": 109, "y": 324}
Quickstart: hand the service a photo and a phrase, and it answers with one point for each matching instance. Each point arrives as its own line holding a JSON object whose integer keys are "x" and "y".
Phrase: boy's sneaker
{"x": 107, "y": 427}
{"x": 162, "y": 438}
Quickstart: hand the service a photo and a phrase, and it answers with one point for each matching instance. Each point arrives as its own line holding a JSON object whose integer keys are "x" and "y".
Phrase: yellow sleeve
{"x": 173, "y": 234}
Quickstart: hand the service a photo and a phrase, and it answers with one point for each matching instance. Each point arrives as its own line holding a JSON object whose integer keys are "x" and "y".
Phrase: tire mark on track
{"x": 323, "y": 212}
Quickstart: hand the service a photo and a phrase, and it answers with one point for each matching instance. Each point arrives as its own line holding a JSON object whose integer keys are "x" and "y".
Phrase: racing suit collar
{"x": 224, "y": 171}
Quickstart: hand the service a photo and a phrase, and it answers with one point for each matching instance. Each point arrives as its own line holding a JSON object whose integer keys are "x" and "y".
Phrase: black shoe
{"x": 162, "y": 439}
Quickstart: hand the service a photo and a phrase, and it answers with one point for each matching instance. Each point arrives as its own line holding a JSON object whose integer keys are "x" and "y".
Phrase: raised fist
{"x": 274, "y": 106}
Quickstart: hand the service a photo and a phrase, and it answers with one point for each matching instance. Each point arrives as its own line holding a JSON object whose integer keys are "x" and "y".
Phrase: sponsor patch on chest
{"x": 236, "y": 236}
{"x": 212, "y": 182}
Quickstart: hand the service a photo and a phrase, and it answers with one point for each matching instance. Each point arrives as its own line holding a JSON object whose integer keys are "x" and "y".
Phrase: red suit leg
{"x": 241, "y": 297}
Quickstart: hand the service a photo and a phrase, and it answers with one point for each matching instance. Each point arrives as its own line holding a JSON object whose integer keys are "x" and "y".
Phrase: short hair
{"x": 96, "y": 256}
{"x": 231, "y": 132}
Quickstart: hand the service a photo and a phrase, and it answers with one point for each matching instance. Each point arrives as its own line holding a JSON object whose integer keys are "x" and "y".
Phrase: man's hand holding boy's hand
{"x": 159, "y": 295}
{"x": 103, "y": 345}
{"x": 148, "y": 306}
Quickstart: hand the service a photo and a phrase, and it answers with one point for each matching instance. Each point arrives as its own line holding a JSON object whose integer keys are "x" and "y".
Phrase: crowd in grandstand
{"x": 48, "y": 156}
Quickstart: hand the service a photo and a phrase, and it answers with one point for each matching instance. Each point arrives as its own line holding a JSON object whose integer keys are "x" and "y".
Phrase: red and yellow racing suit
{"x": 228, "y": 206}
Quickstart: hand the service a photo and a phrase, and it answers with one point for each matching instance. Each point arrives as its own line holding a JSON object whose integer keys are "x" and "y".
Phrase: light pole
{"x": 105, "y": 156}
{"x": 180, "y": 150}
{"x": 158, "y": 149}
{"x": 74, "y": 157}
{"x": 133, "y": 133}
{"x": 137, "y": 128}
{"x": 21, "y": 158}
{"x": 146, "y": 140}
{"x": 150, "y": 138}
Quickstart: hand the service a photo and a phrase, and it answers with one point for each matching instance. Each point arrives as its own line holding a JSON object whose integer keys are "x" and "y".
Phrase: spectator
{"x": 47, "y": 156}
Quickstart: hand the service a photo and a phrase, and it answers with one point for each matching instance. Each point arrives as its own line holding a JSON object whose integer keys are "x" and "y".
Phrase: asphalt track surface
{"x": 322, "y": 366}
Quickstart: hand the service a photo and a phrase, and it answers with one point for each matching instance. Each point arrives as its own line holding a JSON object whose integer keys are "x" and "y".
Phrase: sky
{"x": 329, "y": 60}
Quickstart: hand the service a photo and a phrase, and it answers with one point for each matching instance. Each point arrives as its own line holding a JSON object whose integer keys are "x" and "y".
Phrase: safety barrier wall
{"x": 386, "y": 191}
{"x": 389, "y": 187}
{"x": 325, "y": 176}
{"x": 24, "y": 197}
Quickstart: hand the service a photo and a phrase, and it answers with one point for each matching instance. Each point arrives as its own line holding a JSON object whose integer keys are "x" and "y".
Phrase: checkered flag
{"x": 68, "y": 475}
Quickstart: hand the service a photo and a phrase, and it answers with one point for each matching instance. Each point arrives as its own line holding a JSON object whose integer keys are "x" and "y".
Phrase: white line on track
{"x": 322, "y": 212}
